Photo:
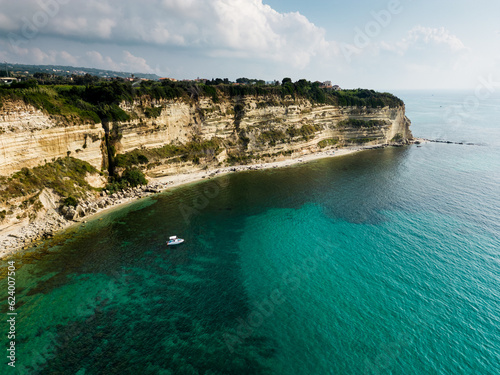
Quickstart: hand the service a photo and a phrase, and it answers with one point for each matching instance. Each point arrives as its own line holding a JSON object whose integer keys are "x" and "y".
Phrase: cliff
{"x": 246, "y": 126}
{"x": 249, "y": 128}
{"x": 179, "y": 122}
{"x": 30, "y": 137}
{"x": 169, "y": 136}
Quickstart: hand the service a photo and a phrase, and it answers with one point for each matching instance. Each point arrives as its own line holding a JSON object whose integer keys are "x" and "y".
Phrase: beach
{"x": 23, "y": 235}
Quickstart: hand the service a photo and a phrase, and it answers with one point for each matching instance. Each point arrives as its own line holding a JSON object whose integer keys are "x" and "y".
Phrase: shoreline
{"x": 22, "y": 236}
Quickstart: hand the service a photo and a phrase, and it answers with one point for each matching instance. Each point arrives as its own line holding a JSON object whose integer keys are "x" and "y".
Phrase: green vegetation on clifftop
{"x": 99, "y": 101}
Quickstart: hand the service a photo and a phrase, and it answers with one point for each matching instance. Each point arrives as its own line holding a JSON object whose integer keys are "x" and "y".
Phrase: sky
{"x": 382, "y": 45}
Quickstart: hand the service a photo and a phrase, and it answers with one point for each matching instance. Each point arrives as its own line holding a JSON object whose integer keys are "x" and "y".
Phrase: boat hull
{"x": 175, "y": 242}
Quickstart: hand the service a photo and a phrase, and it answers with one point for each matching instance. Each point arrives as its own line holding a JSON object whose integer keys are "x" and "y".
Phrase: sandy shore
{"x": 187, "y": 178}
{"x": 21, "y": 235}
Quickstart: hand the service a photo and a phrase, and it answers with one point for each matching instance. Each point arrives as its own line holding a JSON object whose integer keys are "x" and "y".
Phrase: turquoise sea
{"x": 381, "y": 262}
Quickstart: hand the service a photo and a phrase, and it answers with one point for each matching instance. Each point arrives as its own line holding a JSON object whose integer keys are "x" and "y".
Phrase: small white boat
{"x": 173, "y": 240}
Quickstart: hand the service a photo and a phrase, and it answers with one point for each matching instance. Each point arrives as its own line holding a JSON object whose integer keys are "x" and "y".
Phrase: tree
{"x": 287, "y": 87}
{"x": 134, "y": 177}
{"x": 303, "y": 86}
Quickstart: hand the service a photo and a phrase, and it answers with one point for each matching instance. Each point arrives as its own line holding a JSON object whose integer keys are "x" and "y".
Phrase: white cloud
{"x": 235, "y": 28}
{"x": 128, "y": 62}
{"x": 438, "y": 36}
{"x": 41, "y": 57}
{"x": 248, "y": 28}
{"x": 135, "y": 64}
{"x": 70, "y": 26}
{"x": 35, "y": 55}
{"x": 68, "y": 58}
{"x": 425, "y": 38}
{"x": 7, "y": 23}
{"x": 96, "y": 59}
{"x": 105, "y": 28}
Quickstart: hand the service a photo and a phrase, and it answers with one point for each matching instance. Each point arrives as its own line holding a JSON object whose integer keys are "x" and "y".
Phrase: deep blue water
{"x": 381, "y": 262}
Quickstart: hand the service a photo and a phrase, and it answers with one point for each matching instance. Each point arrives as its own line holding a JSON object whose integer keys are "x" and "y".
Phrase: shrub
{"x": 360, "y": 140}
{"x": 71, "y": 201}
{"x": 328, "y": 142}
{"x": 153, "y": 112}
{"x": 239, "y": 158}
{"x": 293, "y": 132}
{"x": 272, "y": 137}
{"x": 308, "y": 130}
{"x": 397, "y": 138}
{"x": 134, "y": 177}
{"x": 358, "y": 123}
{"x": 212, "y": 92}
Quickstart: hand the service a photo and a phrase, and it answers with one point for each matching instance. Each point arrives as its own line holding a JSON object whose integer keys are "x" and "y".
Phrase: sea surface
{"x": 381, "y": 262}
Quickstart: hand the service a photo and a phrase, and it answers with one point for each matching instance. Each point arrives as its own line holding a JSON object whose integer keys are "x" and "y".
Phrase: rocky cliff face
{"x": 324, "y": 122}
{"x": 263, "y": 127}
{"x": 256, "y": 125}
{"x": 29, "y": 137}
